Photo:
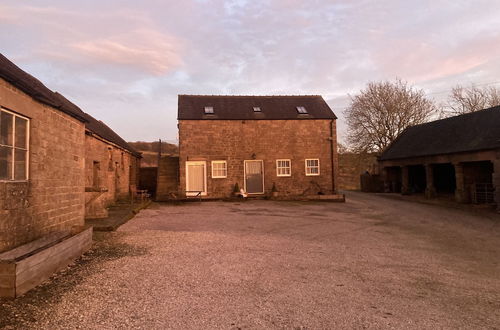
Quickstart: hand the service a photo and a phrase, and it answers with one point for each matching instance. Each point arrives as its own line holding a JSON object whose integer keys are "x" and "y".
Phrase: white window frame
{"x": 225, "y": 169}
{"x": 12, "y": 174}
{"x": 278, "y": 167}
{"x": 308, "y": 168}
{"x": 209, "y": 110}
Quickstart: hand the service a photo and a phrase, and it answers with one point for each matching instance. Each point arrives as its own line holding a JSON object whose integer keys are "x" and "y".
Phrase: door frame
{"x": 245, "y": 176}
{"x": 198, "y": 162}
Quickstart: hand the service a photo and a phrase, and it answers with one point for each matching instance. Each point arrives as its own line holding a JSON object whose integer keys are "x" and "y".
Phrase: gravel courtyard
{"x": 373, "y": 262}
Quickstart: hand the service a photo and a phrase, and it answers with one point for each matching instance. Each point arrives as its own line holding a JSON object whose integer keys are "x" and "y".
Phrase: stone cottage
{"x": 457, "y": 157}
{"x": 262, "y": 144}
{"x": 42, "y": 158}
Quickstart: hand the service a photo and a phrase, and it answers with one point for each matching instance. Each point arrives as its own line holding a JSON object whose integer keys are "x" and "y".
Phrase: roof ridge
{"x": 468, "y": 114}
{"x": 243, "y": 95}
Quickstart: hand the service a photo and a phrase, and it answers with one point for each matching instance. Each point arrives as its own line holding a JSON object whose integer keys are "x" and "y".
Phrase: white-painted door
{"x": 196, "y": 178}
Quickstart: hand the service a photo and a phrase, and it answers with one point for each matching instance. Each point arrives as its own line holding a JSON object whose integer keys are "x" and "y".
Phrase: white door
{"x": 196, "y": 178}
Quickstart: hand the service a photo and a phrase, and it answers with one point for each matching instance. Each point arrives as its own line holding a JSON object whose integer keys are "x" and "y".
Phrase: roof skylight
{"x": 301, "y": 109}
{"x": 209, "y": 110}
{"x": 257, "y": 109}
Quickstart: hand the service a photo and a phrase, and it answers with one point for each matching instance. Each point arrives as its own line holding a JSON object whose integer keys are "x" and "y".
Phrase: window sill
{"x": 14, "y": 181}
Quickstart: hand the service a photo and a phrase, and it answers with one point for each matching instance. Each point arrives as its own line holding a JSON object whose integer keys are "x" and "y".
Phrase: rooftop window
{"x": 301, "y": 109}
{"x": 209, "y": 110}
{"x": 257, "y": 109}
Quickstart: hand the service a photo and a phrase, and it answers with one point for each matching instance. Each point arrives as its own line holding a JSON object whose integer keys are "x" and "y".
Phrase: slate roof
{"x": 475, "y": 131}
{"x": 191, "y": 107}
{"x": 98, "y": 127}
{"x": 35, "y": 88}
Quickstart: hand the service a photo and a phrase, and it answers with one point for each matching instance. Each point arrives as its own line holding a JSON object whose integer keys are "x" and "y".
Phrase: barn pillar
{"x": 385, "y": 180}
{"x": 430, "y": 190}
{"x": 459, "y": 183}
{"x": 405, "y": 180}
{"x": 496, "y": 181}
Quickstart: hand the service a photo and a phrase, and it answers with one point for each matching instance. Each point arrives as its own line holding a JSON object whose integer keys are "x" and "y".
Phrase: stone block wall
{"x": 109, "y": 172}
{"x": 168, "y": 178}
{"x": 267, "y": 140}
{"x": 52, "y": 199}
{"x": 352, "y": 166}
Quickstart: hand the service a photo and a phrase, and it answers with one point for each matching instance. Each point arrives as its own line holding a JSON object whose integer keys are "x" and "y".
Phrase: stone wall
{"x": 109, "y": 173}
{"x": 52, "y": 199}
{"x": 352, "y": 166}
{"x": 168, "y": 178}
{"x": 267, "y": 140}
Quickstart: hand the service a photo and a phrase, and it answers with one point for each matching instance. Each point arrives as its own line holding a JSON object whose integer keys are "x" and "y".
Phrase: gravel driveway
{"x": 373, "y": 262}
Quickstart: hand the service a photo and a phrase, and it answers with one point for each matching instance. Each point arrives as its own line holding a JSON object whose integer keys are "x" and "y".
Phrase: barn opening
{"x": 444, "y": 179}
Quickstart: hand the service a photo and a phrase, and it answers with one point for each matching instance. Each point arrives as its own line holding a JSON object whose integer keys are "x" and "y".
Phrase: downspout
{"x": 332, "y": 153}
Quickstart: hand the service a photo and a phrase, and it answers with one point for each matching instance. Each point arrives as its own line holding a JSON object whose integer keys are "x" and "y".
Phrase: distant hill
{"x": 149, "y": 151}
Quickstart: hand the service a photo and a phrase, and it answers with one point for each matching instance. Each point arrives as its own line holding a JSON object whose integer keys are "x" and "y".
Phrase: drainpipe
{"x": 332, "y": 154}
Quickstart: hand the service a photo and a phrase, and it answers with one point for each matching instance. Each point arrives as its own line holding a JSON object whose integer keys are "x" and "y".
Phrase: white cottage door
{"x": 196, "y": 178}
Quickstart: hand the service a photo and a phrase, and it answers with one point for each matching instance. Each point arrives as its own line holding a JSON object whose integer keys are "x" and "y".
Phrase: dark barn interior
{"x": 416, "y": 176}
{"x": 444, "y": 178}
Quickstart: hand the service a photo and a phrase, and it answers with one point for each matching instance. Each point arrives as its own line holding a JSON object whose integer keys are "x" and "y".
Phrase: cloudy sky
{"x": 125, "y": 61}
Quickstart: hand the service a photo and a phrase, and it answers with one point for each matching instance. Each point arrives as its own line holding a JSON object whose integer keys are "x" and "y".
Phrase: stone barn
{"x": 285, "y": 145}
{"x": 457, "y": 157}
{"x": 42, "y": 158}
{"x": 111, "y": 169}
{"x": 58, "y": 165}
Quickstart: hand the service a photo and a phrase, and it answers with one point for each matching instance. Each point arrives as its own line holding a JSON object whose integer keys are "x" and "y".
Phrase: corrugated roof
{"x": 474, "y": 131}
{"x": 35, "y": 88}
{"x": 191, "y": 107}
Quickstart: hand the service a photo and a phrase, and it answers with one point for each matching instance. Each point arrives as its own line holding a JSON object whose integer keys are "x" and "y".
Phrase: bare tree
{"x": 382, "y": 111}
{"x": 464, "y": 100}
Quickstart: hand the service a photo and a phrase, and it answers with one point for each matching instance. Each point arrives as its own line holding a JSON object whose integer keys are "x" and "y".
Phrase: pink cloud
{"x": 146, "y": 49}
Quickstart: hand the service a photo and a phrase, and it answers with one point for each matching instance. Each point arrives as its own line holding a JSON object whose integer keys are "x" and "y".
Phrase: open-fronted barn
{"x": 457, "y": 156}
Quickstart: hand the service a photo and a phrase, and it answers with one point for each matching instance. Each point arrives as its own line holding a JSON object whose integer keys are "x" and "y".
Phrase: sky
{"x": 125, "y": 61}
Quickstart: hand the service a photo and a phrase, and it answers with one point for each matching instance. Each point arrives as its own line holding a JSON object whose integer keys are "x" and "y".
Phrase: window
{"x": 14, "y": 142}
{"x": 96, "y": 167}
{"x": 283, "y": 167}
{"x": 301, "y": 110}
{"x": 312, "y": 167}
{"x": 209, "y": 110}
{"x": 257, "y": 109}
{"x": 219, "y": 169}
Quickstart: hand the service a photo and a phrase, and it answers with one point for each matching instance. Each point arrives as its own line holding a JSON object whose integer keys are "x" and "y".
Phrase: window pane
{"x": 20, "y": 164}
{"x": 21, "y": 132}
{"x": 219, "y": 169}
{"x": 6, "y": 128}
{"x": 5, "y": 163}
